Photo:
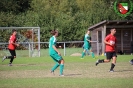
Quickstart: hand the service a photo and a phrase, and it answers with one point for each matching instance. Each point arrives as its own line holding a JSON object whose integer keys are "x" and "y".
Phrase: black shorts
{"x": 12, "y": 52}
{"x": 110, "y": 55}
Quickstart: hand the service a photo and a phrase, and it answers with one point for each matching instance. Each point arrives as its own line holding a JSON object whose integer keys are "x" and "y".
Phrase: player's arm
{"x": 88, "y": 39}
{"x": 56, "y": 49}
{"x": 106, "y": 41}
{"x": 11, "y": 42}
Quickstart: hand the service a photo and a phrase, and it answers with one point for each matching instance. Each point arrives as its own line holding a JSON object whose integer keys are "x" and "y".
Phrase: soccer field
{"x": 79, "y": 73}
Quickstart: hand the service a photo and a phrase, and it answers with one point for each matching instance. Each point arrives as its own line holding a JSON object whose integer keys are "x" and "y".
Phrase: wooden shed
{"x": 124, "y": 35}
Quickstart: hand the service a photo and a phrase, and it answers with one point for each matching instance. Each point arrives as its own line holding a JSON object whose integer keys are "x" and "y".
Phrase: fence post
{"x": 97, "y": 47}
{"x": 29, "y": 51}
{"x": 64, "y": 49}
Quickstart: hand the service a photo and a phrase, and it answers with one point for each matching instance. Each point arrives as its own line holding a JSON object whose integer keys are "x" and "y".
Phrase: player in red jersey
{"x": 11, "y": 47}
{"x": 110, "y": 49}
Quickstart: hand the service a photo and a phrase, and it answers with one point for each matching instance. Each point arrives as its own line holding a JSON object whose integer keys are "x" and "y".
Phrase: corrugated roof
{"x": 113, "y": 23}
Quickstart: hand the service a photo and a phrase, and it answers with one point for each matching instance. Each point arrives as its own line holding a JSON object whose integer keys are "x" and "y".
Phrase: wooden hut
{"x": 124, "y": 35}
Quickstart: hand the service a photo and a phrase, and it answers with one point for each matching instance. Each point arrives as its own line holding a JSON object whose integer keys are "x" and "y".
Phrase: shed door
{"x": 126, "y": 41}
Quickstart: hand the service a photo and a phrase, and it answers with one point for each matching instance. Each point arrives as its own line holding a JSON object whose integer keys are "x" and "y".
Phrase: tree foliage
{"x": 70, "y": 17}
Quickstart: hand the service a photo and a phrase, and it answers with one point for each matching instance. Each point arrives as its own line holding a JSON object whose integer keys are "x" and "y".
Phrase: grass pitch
{"x": 79, "y": 73}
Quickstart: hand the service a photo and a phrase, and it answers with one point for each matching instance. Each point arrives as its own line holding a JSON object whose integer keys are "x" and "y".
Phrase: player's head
{"x": 14, "y": 32}
{"x": 113, "y": 31}
{"x": 54, "y": 32}
{"x": 88, "y": 32}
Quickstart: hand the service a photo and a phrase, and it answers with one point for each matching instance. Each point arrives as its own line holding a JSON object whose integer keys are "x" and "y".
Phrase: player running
{"x": 11, "y": 47}
{"x": 110, "y": 47}
{"x": 55, "y": 54}
{"x": 87, "y": 45}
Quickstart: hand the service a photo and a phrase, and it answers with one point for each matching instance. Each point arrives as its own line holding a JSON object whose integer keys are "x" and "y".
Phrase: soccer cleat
{"x": 131, "y": 62}
{"x": 111, "y": 71}
{"x": 3, "y": 58}
{"x": 10, "y": 65}
{"x": 61, "y": 75}
{"x": 97, "y": 62}
{"x": 52, "y": 72}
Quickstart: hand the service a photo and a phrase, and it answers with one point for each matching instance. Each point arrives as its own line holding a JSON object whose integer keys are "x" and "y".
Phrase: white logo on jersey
{"x": 112, "y": 42}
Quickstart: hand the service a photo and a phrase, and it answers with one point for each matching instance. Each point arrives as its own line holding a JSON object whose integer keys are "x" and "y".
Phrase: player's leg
{"x": 92, "y": 54}
{"x": 60, "y": 61}
{"x": 83, "y": 53}
{"x": 83, "y": 50}
{"x": 8, "y": 57}
{"x": 13, "y": 53}
{"x": 87, "y": 52}
{"x": 61, "y": 67}
{"x": 5, "y": 57}
{"x": 131, "y": 61}
{"x": 56, "y": 64}
{"x": 55, "y": 67}
{"x": 108, "y": 58}
{"x": 113, "y": 61}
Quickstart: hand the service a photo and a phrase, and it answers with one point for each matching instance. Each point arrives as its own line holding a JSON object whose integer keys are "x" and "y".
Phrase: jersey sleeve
{"x": 86, "y": 37}
{"x": 54, "y": 41}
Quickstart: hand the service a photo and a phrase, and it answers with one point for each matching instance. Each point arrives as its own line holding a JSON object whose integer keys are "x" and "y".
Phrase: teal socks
{"x": 83, "y": 54}
{"x": 92, "y": 54}
{"x": 55, "y": 66}
{"x": 61, "y": 69}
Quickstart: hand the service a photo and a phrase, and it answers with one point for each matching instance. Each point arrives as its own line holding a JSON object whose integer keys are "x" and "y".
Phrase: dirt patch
{"x": 75, "y": 69}
{"x": 76, "y": 54}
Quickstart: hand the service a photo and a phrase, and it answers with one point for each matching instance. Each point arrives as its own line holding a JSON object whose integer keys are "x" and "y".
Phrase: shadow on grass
{"x": 72, "y": 74}
{"x": 25, "y": 64}
{"x": 123, "y": 70}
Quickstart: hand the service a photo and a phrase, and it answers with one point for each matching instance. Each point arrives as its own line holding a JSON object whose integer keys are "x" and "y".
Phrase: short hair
{"x": 13, "y": 30}
{"x": 112, "y": 28}
{"x": 87, "y": 30}
{"x": 53, "y": 32}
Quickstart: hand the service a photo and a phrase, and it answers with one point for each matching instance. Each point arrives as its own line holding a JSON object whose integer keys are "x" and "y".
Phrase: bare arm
{"x": 106, "y": 42}
{"x": 56, "y": 49}
{"x": 88, "y": 40}
{"x": 14, "y": 43}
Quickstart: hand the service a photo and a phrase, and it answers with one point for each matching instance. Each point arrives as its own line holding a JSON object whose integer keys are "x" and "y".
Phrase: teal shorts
{"x": 87, "y": 48}
{"x": 56, "y": 57}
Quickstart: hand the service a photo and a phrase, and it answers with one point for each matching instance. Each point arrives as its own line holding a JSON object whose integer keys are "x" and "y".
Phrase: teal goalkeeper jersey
{"x": 52, "y": 42}
{"x": 86, "y": 42}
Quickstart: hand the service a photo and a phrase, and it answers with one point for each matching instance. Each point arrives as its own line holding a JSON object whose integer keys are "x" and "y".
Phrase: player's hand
{"x": 111, "y": 44}
{"x": 17, "y": 44}
{"x": 59, "y": 53}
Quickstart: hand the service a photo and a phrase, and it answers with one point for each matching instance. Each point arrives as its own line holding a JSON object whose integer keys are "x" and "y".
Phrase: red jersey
{"x": 12, "y": 39}
{"x": 111, "y": 39}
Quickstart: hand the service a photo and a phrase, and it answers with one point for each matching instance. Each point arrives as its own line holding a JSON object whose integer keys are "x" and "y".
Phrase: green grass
{"x": 44, "y": 52}
{"x": 79, "y": 73}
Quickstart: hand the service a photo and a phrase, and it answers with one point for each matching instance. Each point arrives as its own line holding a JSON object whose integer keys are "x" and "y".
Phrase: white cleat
{"x": 131, "y": 62}
{"x": 3, "y": 58}
{"x": 97, "y": 62}
{"x": 10, "y": 65}
{"x": 111, "y": 71}
{"x": 52, "y": 72}
{"x": 61, "y": 75}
